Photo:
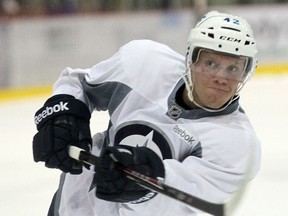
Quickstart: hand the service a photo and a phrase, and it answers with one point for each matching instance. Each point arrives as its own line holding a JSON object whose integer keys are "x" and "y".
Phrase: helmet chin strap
{"x": 187, "y": 77}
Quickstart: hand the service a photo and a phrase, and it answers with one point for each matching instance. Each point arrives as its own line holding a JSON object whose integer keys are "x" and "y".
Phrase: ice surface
{"x": 26, "y": 188}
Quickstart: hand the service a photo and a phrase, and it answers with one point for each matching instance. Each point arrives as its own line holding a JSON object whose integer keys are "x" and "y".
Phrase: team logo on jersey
{"x": 139, "y": 133}
{"x": 142, "y": 134}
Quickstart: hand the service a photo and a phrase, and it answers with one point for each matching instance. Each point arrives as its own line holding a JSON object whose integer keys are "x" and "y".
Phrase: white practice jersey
{"x": 204, "y": 153}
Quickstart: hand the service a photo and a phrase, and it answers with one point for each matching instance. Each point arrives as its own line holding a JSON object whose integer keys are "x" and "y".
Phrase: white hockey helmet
{"x": 222, "y": 33}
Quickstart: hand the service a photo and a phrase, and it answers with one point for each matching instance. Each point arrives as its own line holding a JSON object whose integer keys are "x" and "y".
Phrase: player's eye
{"x": 211, "y": 64}
{"x": 232, "y": 69}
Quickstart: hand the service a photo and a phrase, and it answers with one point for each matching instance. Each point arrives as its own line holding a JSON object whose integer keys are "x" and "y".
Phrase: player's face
{"x": 216, "y": 77}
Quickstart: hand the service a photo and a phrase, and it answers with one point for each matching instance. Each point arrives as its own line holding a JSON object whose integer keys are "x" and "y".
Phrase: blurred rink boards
{"x": 35, "y": 50}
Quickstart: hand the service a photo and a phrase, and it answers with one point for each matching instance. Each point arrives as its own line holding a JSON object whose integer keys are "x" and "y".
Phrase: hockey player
{"x": 172, "y": 117}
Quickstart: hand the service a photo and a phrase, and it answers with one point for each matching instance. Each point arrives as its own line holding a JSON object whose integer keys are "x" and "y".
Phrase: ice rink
{"x": 26, "y": 188}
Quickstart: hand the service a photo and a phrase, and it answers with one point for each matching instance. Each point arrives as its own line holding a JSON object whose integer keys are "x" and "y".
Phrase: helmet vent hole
{"x": 247, "y": 42}
{"x": 220, "y": 46}
{"x": 236, "y": 49}
{"x": 232, "y": 29}
{"x": 211, "y": 35}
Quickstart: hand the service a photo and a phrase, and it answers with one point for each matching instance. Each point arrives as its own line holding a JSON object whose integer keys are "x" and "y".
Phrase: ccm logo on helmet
{"x": 50, "y": 110}
{"x": 230, "y": 39}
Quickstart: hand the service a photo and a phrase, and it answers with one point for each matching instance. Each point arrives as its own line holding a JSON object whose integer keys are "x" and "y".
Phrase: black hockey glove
{"x": 112, "y": 183}
{"x": 62, "y": 121}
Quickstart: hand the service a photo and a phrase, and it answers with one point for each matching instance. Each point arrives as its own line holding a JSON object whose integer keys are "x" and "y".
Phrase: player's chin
{"x": 217, "y": 102}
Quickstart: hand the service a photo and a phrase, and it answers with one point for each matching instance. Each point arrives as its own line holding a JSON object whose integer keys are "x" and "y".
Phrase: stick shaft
{"x": 156, "y": 185}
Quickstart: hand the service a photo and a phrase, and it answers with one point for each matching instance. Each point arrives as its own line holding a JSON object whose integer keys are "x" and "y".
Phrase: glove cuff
{"x": 59, "y": 105}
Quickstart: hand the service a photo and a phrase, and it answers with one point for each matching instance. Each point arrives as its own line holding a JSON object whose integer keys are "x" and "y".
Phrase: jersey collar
{"x": 175, "y": 110}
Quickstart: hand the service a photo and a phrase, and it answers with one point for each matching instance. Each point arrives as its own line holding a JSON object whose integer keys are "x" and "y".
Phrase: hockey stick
{"x": 157, "y": 185}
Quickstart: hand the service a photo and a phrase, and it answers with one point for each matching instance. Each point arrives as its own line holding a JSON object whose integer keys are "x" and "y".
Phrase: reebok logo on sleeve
{"x": 47, "y": 111}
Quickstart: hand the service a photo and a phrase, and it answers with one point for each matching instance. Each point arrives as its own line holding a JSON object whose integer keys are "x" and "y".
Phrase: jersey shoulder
{"x": 144, "y": 48}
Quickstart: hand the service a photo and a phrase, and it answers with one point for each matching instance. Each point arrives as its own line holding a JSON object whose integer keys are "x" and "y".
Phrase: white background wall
{"x": 34, "y": 51}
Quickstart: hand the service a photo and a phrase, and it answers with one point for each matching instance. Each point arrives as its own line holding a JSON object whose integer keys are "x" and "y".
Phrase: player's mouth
{"x": 220, "y": 90}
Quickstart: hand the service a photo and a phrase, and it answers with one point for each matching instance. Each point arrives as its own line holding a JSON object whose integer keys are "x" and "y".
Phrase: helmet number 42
{"x": 235, "y": 21}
